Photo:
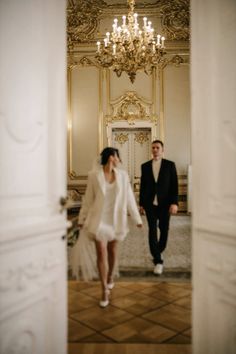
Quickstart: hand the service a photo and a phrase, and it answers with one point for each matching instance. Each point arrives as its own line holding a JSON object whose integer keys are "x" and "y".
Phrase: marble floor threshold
{"x": 169, "y": 273}
{"x": 107, "y": 348}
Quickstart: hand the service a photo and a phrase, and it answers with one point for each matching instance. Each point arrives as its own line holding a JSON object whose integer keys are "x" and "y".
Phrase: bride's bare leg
{"x": 101, "y": 248}
{"x": 112, "y": 252}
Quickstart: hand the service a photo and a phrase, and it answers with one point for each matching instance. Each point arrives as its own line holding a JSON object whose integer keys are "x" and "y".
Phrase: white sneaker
{"x": 158, "y": 269}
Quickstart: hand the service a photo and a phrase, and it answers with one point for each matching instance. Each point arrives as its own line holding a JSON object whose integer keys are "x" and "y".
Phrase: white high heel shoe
{"x": 111, "y": 285}
{"x": 105, "y": 303}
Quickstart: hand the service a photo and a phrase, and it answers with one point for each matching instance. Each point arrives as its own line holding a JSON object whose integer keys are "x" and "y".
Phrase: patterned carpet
{"x": 134, "y": 250}
{"x": 135, "y": 259}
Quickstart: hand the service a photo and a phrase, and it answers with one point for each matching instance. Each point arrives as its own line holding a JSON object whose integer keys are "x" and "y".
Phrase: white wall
{"x": 213, "y": 88}
{"x": 142, "y": 85}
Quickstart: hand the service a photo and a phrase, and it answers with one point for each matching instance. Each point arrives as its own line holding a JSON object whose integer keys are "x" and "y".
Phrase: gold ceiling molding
{"x": 82, "y": 20}
{"x": 175, "y": 18}
{"x": 131, "y": 107}
{"x": 144, "y": 8}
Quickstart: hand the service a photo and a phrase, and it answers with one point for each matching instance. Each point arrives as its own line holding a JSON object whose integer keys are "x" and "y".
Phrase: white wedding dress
{"x": 83, "y": 256}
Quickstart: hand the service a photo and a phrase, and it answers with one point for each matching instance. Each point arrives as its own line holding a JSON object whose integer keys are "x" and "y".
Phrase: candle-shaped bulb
{"x": 124, "y": 20}
{"x": 98, "y": 44}
{"x": 153, "y": 47}
{"x": 114, "y": 49}
{"x": 158, "y": 39}
{"x": 105, "y": 42}
{"x": 151, "y": 33}
{"x": 135, "y": 18}
{"x": 145, "y": 21}
{"x": 119, "y": 30}
{"x": 162, "y": 42}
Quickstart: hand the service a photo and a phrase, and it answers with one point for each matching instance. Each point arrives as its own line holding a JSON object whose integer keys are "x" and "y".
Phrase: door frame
{"x": 135, "y": 125}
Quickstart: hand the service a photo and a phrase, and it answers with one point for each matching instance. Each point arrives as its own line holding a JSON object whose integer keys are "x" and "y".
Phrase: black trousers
{"x": 157, "y": 217}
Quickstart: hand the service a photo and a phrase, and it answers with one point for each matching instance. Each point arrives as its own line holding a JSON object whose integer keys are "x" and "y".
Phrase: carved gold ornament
{"x": 177, "y": 60}
{"x": 175, "y": 19}
{"x": 121, "y": 138}
{"x": 141, "y": 137}
{"x": 130, "y": 107}
{"x": 82, "y": 20}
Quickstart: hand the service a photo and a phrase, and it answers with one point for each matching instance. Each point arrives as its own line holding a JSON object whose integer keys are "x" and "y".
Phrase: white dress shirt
{"x": 156, "y": 165}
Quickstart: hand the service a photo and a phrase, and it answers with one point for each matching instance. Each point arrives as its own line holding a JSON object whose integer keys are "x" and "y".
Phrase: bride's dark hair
{"x": 107, "y": 152}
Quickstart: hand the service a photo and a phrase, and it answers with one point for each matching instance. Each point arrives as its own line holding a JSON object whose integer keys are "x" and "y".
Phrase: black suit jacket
{"x": 166, "y": 187}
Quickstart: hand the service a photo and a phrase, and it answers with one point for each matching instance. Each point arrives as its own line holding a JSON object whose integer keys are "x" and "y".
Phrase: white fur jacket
{"x": 92, "y": 206}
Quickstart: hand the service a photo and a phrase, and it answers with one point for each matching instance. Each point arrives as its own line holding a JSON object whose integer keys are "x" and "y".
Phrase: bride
{"x": 103, "y": 220}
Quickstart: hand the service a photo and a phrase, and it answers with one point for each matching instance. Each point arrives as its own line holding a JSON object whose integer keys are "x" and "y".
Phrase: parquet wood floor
{"x": 151, "y": 315}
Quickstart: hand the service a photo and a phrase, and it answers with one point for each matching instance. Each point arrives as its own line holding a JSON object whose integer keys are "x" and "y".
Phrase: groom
{"x": 158, "y": 199}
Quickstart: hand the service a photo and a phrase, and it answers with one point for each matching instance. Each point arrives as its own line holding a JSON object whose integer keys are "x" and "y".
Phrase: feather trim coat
{"x": 92, "y": 205}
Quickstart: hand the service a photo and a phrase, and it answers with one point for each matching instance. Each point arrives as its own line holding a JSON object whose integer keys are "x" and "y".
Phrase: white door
{"x": 134, "y": 145}
{"x": 33, "y": 306}
{"x": 213, "y": 79}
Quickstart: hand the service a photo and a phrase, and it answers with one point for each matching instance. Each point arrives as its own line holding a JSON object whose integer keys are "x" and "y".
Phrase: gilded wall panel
{"x": 84, "y": 120}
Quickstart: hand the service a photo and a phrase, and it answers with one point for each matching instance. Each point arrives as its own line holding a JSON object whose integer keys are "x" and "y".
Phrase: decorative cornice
{"x": 175, "y": 18}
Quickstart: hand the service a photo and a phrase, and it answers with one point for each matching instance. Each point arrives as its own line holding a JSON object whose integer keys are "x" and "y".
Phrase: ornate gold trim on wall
{"x": 82, "y": 20}
{"x": 131, "y": 107}
{"x": 73, "y": 61}
{"x": 141, "y": 137}
{"x": 177, "y": 60}
{"x": 121, "y": 138}
{"x": 175, "y": 18}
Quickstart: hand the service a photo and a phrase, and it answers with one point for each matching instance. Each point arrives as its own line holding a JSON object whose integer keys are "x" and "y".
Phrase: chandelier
{"x": 131, "y": 47}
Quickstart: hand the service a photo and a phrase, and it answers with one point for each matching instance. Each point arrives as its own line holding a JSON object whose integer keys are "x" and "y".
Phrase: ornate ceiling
{"x": 83, "y": 18}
